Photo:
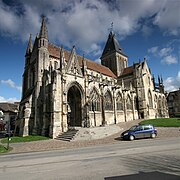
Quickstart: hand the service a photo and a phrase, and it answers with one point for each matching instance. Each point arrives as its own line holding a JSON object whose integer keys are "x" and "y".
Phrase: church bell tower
{"x": 113, "y": 56}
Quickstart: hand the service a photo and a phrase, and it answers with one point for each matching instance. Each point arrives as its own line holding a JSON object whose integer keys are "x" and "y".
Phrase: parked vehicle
{"x": 140, "y": 131}
{"x": 4, "y": 134}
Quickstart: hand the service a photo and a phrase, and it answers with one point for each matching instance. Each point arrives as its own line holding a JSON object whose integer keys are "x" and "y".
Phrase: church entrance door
{"x": 74, "y": 107}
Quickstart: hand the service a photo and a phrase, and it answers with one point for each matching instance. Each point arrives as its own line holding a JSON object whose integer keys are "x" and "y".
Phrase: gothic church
{"x": 63, "y": 90}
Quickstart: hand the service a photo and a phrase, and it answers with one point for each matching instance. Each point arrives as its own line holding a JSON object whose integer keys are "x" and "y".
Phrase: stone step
{"x": 67, "y": 136}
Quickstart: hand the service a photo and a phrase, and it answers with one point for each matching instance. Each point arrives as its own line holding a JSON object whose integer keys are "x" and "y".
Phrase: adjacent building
{"x": 173, "y": 100}
{"x": 9, "y": 112}
{"x": 63, "y": 90}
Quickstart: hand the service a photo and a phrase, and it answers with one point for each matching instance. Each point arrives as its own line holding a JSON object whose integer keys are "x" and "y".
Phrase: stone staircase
{"x": 67, "y": 136}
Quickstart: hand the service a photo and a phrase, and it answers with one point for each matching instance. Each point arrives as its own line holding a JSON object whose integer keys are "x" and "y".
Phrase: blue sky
{"x": 149, "y": 28}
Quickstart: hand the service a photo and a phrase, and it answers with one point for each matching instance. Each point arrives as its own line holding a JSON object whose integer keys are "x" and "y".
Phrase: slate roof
{"x": 54, "y": 51}
{"x": 112, "y": 45}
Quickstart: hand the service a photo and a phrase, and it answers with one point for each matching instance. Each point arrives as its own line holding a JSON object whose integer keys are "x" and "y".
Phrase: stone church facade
{"x": 63, "y": 90}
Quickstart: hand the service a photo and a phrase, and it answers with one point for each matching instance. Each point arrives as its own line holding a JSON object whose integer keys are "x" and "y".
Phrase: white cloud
{"x": 11, "y": 84}
{"x": 172, "y": 84}
{"x": 169, "y": 60}
{"x": 178, "y": 77}
{"x": 165, "y": 54}
{"x": 165, "y": 51}
{"x": 168, "y": 17}
{"x": 98, "y": 61}
{"x": 153, "y": 50}
{"x": 14, "y": 99}
{"x": 84, "y": 23}
{"x": 146, "y": 30}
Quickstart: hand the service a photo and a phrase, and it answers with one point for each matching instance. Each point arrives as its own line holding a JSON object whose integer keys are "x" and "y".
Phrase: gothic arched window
{"x": 119, "y": 102}
{"x": 164, "y": 102}
{"x": 159, "y": 106}
{"x": 135, "y": 103}
{"x": 155, "y": 101}
{"x": 129, "y": 104}
{"x": 159, "y": 102}
{"x": 108, "y": 101}
{"x": 94, "y": 101}
{"x": 150, "y": 99}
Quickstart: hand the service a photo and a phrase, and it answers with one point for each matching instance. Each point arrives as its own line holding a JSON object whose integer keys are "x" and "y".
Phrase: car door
{"x": 138, "y": 132}
{"x": 147, "y": 131}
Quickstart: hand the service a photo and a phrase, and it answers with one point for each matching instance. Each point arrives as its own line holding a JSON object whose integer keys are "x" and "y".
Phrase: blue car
{"x": 140, "y": 131}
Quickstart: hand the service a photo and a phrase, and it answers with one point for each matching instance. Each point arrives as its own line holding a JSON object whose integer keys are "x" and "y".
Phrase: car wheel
{"x": 131, "y": 137}
{"x": 153, "y": 135}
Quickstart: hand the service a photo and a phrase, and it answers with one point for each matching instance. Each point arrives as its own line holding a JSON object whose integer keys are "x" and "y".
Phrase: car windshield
{"x": 133, "y": 128}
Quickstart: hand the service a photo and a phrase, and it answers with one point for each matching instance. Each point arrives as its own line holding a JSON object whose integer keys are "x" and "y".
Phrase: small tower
{"x": 26, "y": 74}
{"x": 43, "y": 35}
{"x": 161, "y": 85}
{"x": 113, "y": 56}
{"x": 29, "y": 51}
{"x": 43, "y": 53}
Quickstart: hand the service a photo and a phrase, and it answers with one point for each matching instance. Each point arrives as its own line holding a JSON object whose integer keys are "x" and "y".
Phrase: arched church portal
{"x": 74, "y": 107}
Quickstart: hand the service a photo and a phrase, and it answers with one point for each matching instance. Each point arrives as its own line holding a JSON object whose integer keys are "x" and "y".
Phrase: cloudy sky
{"x": 144, "y": 28}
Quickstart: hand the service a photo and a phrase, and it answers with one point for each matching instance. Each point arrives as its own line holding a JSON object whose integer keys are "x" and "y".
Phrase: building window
{"x": 159, "y": 105}
{"x": 150, "y": 99}
{"x": 119, "y": 102}
{"x": 135, "y": 103}
{"x": 129, "y": 104}
{"x": 155, "y": 101}
{"x": 108, "y": 101}
{"x": 94, "y": 101}
{"x": 55, "y": 64}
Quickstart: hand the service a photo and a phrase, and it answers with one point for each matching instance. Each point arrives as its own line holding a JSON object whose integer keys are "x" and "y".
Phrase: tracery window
{"x": 159, "y": 106}
{"x": 155, "y": 101}
{"x": 94, "y": 101}
{"x": 55, "y": 64}
{"x": 164, "y": 102}
{"x": 108, "y": 101}
{"x": 129, "y": 104}
{"x": 119, "y": 102}
{"x": 135, "y": 103}
{"x": 159, "y": 102}
{"x": 150, "y": 99}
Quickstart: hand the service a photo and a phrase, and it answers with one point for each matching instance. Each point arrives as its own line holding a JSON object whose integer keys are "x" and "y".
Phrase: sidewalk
{"x": 58, "y": 144}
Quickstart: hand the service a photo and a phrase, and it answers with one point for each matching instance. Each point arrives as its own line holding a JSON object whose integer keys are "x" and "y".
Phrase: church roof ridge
{"x": 54, "y": 51}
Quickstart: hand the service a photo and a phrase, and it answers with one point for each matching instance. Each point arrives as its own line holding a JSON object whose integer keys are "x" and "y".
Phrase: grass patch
{"x": 4, "y": 149}
{"x": 163, "y": 122}
{"x": 17, "y": 139}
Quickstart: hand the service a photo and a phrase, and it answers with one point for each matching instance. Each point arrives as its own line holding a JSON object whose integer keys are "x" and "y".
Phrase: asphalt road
{"x": 140, "y": 159}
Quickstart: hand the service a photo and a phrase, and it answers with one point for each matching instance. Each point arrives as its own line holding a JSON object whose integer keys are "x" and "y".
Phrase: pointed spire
{"x": 112, "y": 45}
{"x": 161, "y": 80}
{"x": 62, "y": 59}
{"x": 122, "y": 84}
{"x": 30, "y": 46}
{"x": 43, "y": 32}
{"x": 131, "y": 88}
{"x": 84, "y": 65}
